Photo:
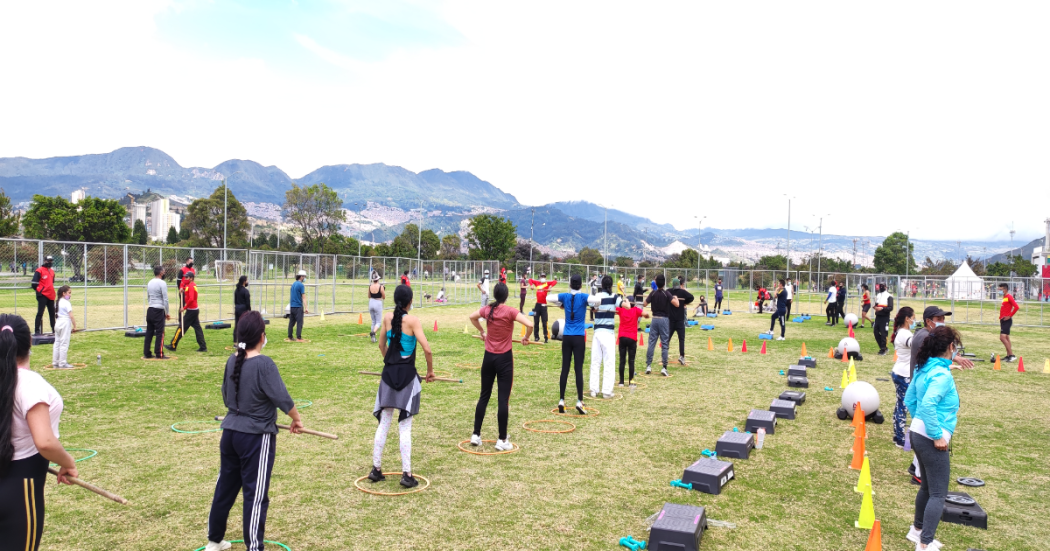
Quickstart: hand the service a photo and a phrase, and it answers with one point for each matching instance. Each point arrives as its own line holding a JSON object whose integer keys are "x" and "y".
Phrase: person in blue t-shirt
{"x": 297, "y": 307}
{"x": 574, "y": 339}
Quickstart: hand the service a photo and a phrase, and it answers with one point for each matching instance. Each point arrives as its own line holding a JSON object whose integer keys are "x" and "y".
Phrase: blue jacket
{"x": 932, "y": 397}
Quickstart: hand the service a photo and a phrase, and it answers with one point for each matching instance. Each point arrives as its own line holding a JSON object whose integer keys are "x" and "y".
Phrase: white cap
{"x": 301, "y": 273}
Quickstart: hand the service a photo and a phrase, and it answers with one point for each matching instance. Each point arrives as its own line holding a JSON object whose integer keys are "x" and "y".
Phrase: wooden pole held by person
{"x": 92, "y": 487}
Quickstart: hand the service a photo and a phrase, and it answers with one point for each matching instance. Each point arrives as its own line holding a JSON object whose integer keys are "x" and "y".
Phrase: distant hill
{"x": 596, "y": 213}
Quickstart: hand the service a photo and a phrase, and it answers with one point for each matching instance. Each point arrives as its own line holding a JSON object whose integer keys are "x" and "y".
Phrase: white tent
{"x": 964, "y": 284}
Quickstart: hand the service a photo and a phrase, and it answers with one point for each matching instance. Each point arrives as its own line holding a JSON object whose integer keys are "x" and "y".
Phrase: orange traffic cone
{"x": 858, "y": 415}
{"x": 743, "y": 347}
{"x": 858, "y": 454}
{"x": 763, "y": 351}
{"x": 831, "y": 352}
{"x": 435, "y": 326}
{"x": 1020, "y": 364}
{"x": 874, "y": 538}
{"x": 895, "y": 355}
{"x": 845, "y": 355}
{"x": 998, "y": 366}
{"x": 641, "y": 339}
{"x": 360, "y": 319}
{"x": 860, "y": 430}
{"x": 730, "y": 347}
{"x": 803, "y": 350}
{"x": 851, "y": 335}
{"x": 710, "y": 344}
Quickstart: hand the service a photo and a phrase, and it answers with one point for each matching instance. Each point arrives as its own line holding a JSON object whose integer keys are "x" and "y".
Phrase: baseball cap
{"x": 49, "y": 257}
{"x": 301, "y": 273}
{"x": 933, "y": 312}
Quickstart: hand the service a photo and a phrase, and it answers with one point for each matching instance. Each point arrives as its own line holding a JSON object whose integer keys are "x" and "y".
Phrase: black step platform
{"x": 784, "y": 409}
{"x": 761, "y": 419}
{"x": 798, "y": 382}
{"x": 968, "y": 514}
{"x": 737, "y": 445}
{"x": 217, "y": 326}
{"x": 678, "y": 528}
{"x": 708, "y": 475}
{"x": 807, "y": 363}
{"x": 43, "y": 338}
{"x": 797, "y": 371}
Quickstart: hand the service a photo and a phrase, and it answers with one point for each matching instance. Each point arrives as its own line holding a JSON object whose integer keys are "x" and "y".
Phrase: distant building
{"x": 77, "y": 196}
{"x": 138, "y": 212}
{"x": 160, "y": 212}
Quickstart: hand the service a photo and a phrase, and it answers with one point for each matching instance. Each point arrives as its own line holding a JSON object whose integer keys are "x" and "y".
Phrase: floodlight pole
{"x": 532, "y": 233}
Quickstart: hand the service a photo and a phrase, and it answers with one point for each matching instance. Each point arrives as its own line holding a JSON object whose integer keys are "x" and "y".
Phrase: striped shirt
{"x": 605, "y": 306}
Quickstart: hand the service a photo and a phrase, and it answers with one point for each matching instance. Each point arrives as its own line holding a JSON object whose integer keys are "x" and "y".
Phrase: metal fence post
{"x": 85, "y": 270}
{"x": 125, "y": 270}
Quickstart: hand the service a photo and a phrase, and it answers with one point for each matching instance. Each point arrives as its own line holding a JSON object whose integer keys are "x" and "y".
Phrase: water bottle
{"x": 907, "y": 440}
{"x": 99, "y": 358}
{"x": 761, "y": 438}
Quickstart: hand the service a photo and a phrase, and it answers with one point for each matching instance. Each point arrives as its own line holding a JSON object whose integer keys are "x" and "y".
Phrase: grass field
{"x": 581, "y": 490}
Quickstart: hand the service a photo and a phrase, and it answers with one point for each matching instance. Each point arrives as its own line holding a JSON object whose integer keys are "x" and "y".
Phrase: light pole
{"x": 788, "y": 273}
{"x": 699, "y": 225}
{"x": 605, "y": 245}
{"x": 358, "y": 241}
{"x": 419, "y": 243}
{"x": 532, "y": 233}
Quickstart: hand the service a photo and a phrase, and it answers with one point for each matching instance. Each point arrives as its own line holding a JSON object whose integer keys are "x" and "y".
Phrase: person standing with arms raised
{"x": 297, "y": 307}
{"x": 542, "y": 287}
{"x": 660, "y": 302}
{"x": 573, "y": 340}
{"x": 30, "y": 410}
{"x": 156, "y": 314}
{"x": 678, "y": 316}
{"x": 603, "y": 345}
{"x": 44, "y": 285}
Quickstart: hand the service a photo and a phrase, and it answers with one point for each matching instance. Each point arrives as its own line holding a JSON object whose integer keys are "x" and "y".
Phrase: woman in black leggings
{"x": 574, "y": 340}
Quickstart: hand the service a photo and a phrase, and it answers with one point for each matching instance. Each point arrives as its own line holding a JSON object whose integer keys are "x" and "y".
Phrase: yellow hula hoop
{"x": 571, "y": 428}
{"x": 591, "y": 412}
{"x": 467, "y": 366}
{"x": 375, "y": 493}
{"x": 462, "y": 449}
{"x": 615, "y": 397}
{"x": 443, "y": 374}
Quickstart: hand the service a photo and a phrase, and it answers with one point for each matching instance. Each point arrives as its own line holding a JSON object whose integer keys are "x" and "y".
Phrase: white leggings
{"x": 386, "y": 417}
{"x": 375, "y": 310}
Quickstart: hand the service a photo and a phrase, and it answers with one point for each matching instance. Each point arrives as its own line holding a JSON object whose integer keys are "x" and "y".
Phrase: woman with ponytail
{"x": 573, "y": 340}
{"x": 399, "y": 387}
{"x": 376, "y": 296}
{"x": 901, "y": 373}
{"x": 933, "y": 402}
{"x": 253, "y": 391}
{"x": 30, "y": 409}
{"x": 498, "y": 363}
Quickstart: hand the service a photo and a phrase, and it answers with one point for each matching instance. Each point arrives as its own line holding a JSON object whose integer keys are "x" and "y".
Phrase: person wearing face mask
{"x": 242, "y": 302}
{"x": 252, "y": 391}
{"x": 883, "y": 310}
{"x": 933, "y": 401}
{"x": 542, "y": 287}
{"x": 44, "y": 285}
{"x": 180, "y": 281}
{"x": 903, "y": 325}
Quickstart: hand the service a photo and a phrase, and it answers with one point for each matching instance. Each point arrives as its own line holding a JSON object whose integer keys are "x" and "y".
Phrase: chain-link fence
{"x": 974, "y": 300}
{"x": 109, "y": 281}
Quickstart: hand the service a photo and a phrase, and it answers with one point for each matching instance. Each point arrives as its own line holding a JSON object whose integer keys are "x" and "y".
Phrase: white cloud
{"x": 927, "y": 117}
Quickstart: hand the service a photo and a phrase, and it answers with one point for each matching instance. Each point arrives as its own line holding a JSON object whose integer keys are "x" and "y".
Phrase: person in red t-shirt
{"x": 629, "y": 337}
{"x": 498, "y": 362}
{"x": 404, "y": 279}
{"x": 542, "y": 286}
{"x": 190, "y": 313}
{"x": 44, "y": 284}
{"x": 1006, "y": 320}
{"x": 865, "y": 305}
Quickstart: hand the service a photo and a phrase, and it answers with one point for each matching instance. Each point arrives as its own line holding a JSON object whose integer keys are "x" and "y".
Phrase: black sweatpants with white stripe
{"x": 22, "y": 503}
{"x": 246, "y": 461}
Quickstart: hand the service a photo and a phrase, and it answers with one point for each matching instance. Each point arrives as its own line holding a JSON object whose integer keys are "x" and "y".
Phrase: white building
{"x": 1039, "y": 254}
{"x": 138, "y": 212}
{"x": 159, "y": 211}
{"x": 77, "y": 196}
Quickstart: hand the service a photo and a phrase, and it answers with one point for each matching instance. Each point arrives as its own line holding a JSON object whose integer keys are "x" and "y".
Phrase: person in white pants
{"x": 64, "y": 327}
{"x": 603, "y": 346}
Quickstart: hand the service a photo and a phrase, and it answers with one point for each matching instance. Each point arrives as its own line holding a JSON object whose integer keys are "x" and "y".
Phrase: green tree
{"x": 273, "y": 241}
{"x": 976, "y": 265}
{"x": 184, "y": 233}
{"x": 590, "y": 257}
{"x": 204, "y": 219}
{"x": 450, "y": 245}
{"x": 491, "y": 237}
{"x": 998, "y": 269}
{"x": 173, "y": 236}
{"x": 891, "y": 258}
{"x": 773, "y": 262}
{"x": 624, "y": 262}
{"x": 1022, "y": 267}
{"x": 9, "y": 221}
{"x": 139, "y": 235}
{"x": 91, "y": 220}
{"x": 688, "y": 259}
{"x": 942, "y": 267}
{"x": 317, "y": 211}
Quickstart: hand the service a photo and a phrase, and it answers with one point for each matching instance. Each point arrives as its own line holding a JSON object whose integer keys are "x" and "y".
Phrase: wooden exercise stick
{"x": 436, "y": 379}
{"x": 305, "y": 431}
{"x": 92, "y": 487}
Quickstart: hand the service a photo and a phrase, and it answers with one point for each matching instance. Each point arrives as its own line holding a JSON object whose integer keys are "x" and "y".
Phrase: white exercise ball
{"x": 851, "y": 319}
{"x": 862, "y": 392}
{"x": 848, "y": 344}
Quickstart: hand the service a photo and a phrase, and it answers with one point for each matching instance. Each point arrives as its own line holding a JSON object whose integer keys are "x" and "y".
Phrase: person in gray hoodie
{"x": 156, "y": 315}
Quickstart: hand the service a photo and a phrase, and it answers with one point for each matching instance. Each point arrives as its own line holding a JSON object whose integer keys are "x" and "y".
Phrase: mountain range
{"x": 447, "y": 198}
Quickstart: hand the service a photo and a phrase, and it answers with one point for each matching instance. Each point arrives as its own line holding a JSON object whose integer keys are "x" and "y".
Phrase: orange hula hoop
{"x": 391, "y": 494}
{"x": 525, "y": 426}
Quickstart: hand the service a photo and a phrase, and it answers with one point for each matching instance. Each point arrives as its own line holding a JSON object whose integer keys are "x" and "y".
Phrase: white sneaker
{"x": 504, "y": 445}
{"x": 649, "y": 370}
{"x": 594, "y": 394}
{"x": 664, "y": 372}
{"x": 608, "y": 396}
{"x": 914, "y": 535}
{"x": 780, "y": 338}
{"x": 475, "y": 440}
{"x": 220, "y": 546}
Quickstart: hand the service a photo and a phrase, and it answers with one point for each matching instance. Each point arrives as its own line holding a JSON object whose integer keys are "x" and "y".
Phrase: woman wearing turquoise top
{"x": 399, "y": 387}
{"x": 933, "y": 403}
{"x": 573, "y": 340}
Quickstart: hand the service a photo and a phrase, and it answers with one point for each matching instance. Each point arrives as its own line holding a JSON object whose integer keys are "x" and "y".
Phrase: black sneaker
{"x": 202, "y": 350}
{"x": 376, "y": 475}
{"x": 149, "y": 357}
{"x": 561, "y": 407}
{"x": 544, "y": 341}
{"x": 408, "y": 481}
{"x": 1010, "y": 358}
{"x": 535, "y": 339}
{"x": 882, "y": 352}
{"x": 911, "y": 469}
{"x": 169, "y": 348}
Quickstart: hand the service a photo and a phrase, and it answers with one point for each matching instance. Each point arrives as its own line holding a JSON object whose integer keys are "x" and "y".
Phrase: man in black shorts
{"x": 1006, "y": 320}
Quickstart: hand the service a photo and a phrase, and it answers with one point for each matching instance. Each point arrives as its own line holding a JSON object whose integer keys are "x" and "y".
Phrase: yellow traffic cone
{"x": 864, "y": 482}
{"x": 867, "y": 512}
{"x": 466, "y": 329}
{"x": 845, "y": 379}
{"x": 729, "y": 348}
{"x": 852, "y": 371}
{"x": 1046, "y": 366}
{"x": 322, "y": 314}
{"x": 524, "y": 331}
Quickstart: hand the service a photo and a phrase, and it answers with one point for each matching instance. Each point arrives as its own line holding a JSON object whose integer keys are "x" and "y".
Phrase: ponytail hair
{"x": 250, "y": 330}
{"x": 902, "y": 314}
{"x": 499, "y": 296}
{"x": 242, "y": 280}
{"x": 15, "y": 342}
{"x": 936, "y": 344}
{"x": 402, "y": 300}
{"x": 607, "y": 284}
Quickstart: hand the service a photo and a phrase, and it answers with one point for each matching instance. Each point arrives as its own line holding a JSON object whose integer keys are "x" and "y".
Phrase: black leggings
{"x": 573, "y": 348}
{"x": 678, "y": 328}
{"x": 22, "y": 503}
{"x": 43, "y": 303}
{"x": 628, "y": 347}
{"x": 833, "y": 313}
{"x": 524, "y": 294}
{"x": 495, "y": 367}
{"x": 718, "y": 304}
{"x": 778, "y": 315}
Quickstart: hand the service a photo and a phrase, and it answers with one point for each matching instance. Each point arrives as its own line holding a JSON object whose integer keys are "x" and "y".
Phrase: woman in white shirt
{"x": 63, "y": 329}
{"x": 30, "y": 409}
{"x": 832, "y": 308}
{"x": 901, "y": 374}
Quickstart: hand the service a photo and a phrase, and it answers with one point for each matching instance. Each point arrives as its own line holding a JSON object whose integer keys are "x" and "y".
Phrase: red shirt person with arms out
{"x": 542, "y": 287}
{"x": 1006, "y": 320}
{"x": 44, "y": 284}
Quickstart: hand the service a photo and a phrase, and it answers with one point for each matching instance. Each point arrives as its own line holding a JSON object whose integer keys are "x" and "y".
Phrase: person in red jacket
{"x": 404, "y": 279}
{"x": 1006, "y": 320}
{"x": 180, "y": 281}
{"x": 190, "y": 314}
{"x": 542, "y": 286}
{"x": 44, "y": 284}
